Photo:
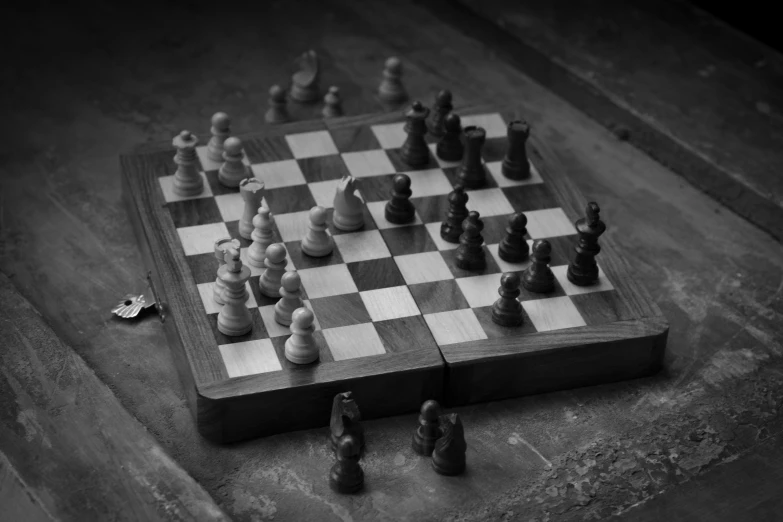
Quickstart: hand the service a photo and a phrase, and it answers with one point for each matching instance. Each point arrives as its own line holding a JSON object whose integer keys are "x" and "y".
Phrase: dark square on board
{"x": 376, "y": 274}
{"x": 192, "y": 212}
{"x": 267, "y": 149}
{"x": 431, "y": 209}
{"x": 452, "y": 174}
{"x": 354, "y": 139}
{"x": 340, "y": 310}
{"x": 412, "y": 239}
{"x": 405, "y": 334}
{"x": 218, "y": 189}
{"x": 536, "y": 196}
{"x": 494, "y": 149}
{"x": 323, "y": 168}
{"x": 494, "y": 229}
{"x": 450, "y": 256}
{"x": 369, "y": 222}
{"x": 495, "y": 331}
{"x": 401, "y": 166}
{"x": 438, "y": 296}
{"x": 302, "y": 260}
{"x": 257, "y": 332}
{"x": 204, "y": 267}
{"x": 285, "y": 200}
{"x": 526, "y": 295}
{"x": 376, "y": 188}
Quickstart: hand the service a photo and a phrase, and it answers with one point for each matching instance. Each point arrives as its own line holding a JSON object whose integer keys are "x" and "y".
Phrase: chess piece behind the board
{"x": 345, "y": 420}
{"x": 304, "y": 82}
{"x": 333, "y": 105}
{"x": 583, "y": 270}
{"x": 428, "y": 432}
{"x": 391, "y": 91}
{"x": 234, "y": 318}
{"x": 278, "y": 109}
{"x": 346, "y": 476}
{"x": 187, "y": 179}
{"x": 301, "y": 347}
{"x": 448, "y": 458}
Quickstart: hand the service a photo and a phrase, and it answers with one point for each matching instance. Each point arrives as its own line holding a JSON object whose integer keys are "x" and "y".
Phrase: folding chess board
{"x": 396, "y": 321}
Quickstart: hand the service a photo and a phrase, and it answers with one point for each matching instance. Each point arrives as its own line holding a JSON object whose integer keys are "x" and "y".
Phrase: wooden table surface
{"x": 85, "y": 84}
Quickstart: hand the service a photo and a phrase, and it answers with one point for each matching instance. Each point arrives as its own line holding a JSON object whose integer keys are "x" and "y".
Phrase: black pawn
{"x": 346, "y": 476}
{"x": 515, "y": 165}
{"x": 440, "y": 110}
{"x": 345, "y": 420}
{"x": 538, "y": 277}
{"x": 450, "y": 146}
{"x": 429, "y": 430}
{"x": 448, "y": 458}
{"x": 415, "y": 151}
{"x": 399, "y": 209}
{"x": 471, "y": 173}
{"x": 451, "y": 229}
{"x": 583, "y": 270}
{"x": 513, "y": 247}
{"x": 507, "y": 311}
{"x": 470, "y": 253}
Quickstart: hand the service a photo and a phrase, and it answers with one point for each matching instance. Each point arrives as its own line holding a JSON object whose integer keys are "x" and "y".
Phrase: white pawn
{"x": 269, "y": 284}
{"x": 290, "y": 297}
{"x": 220, "y": 130}
{"x": 234, "y": 318}
{"x": 234, "y": 169}
{"x": 391, "y": 90}
{"x": 278, "y": 111}
{"x": 348, "y": 207}
{"x": 317, "y": 242}
{"x": 333, "y": 105}
{"x": 301, "y": 347}
{"x": 262, "y": 237}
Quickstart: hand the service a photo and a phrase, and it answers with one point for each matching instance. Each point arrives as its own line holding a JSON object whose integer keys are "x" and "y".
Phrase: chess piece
{"x": 399, "y": 210}
{"x": 448, "y": 458}
{"x": 221, "y": 129}
{"x": 450, "y": 146}
{"x": 583, "y": 270}
{"x": 345, "y": 420}
{"x": 333, "y": 105}
{"x": 234, "y": 318}
{"x": 415, "y": 151}
{"x": 346, "y": 476}
{"x": 187, "y": 180}
{"x": 234, "y": 170}
{"x": 515, "y": 165}
{"x": 278, "y": 106}
{"x": 221, "y": 246}
{"x": 471, "y": 172}
{"x": 428, "y": 431}
{"x": 470, "y": 252}
{"x": 451, "y": 228}
{"x": 304, "y": 82}
{"x": 440, "y": 109}
{"x": 301, "y": 347}
{"x": 275, "y": 262}
{"x": 317, "y": 242}
{"x": 391, "y": 91}
{"x": 507, "y": 310}
{"x": 263, "y": 235}
{"x": 348, "y": 207}
{"x": 538, "y": 277}
{"x": 513, "y": 247}
{"x": 252, "y": 192}
{"x": 290, "y": 297}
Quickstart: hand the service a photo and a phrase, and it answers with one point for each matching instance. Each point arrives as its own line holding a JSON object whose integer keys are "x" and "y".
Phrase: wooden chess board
{"x": 397, "y": 322}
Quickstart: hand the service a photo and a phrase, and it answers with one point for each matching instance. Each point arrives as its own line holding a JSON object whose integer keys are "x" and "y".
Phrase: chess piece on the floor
{"x": 263, "y": 235}
{"x": 317, "y": 242}
{"x": 278, "y": 106}
{"x": 301, "y": 347}
{"x": 441, "y": 108}
{"x": 448, "y": 458}
{"x": 471, "y": 172}
{"x": 391, "y": 91}
{"x": 513, "y": 247}
{"x": 346, "y": 476}
{"x": 538, "y": 277}
{"x": 415, "y": 151}
{"x": 304, "y": 82}
{"x": 187, "y": 180}
{"x": 583, "y": 270}
{"x": 515, "y": 165}
{"x": 220, "y": 130}
{"x": 221, "y": 245}
{"x": 333, "y": 104}
{"x": 348, "y": 207}
{"x": 507, "y": 310}
{"x": 234, "y": 318}
{"x": 290, "y": 297}
{"x": 451, "y": 228}
{"x": 345, "y": 420}
{"x": 470, "y": 252}
{"x": 399, "y": 210}
{"x": 252, "y": 192}
{"x": 450, "y": 146}
{"x": 428, "y": 431}
{"x": 233, "y": 170}
{"x": 275, "y": 262}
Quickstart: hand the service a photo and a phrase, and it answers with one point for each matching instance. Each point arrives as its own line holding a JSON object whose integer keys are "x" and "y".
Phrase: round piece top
{"x": 291, "y": 281}
{"x": 275, "y": 252}
{"x": 232, "y": 145}
{"x": 220, "y": 120}
{"x": 518, "y": 221}
{"x": 473, "y": 216}
{"x": 302, "y": 318}
{"x": 458, "y": 196}
{"x": 452, "y": 123}
{"x": 510, "y": 281}
{"x": 401, "y": 182}
{"x": 318, "y": 215}
{"x": 430, "y": 410}
{"x": 277, "y": 93}
{"x": 264, "y": 212}
{"x": 417, "y": 111}
{"x": 347, "y": 446}
{"x": 393, "y": 65}
{"x": 542, "y": 248}
{"x": 334, "y": 90}
{"x": 443, "y": 98}
{"x": 520, "y": 126}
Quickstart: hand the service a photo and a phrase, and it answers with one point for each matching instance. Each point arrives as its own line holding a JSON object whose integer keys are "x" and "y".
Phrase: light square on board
{"x": 206, "y": 292}
{"x": 250, "y": 358}
{"x": 200, "y": 239}
{"x": 311, "y": 144}
{"x": 505, "y": 266}
{"x": 350, "y": 342}
{"x": 549, "y": 222}
{"x": 442, "y": 163}
{"x": 495, "y": 169}
{"x": 276, "y": 174}
{"x": 480, "y": 290}
{"x": 378, "y": 212}
{"x": 232, "y": 206}
{"x": 424, "y": 267}
{"x": 275, "y": 329}
{"x": 493, "y": 124}
{"x": 570, "y": 288}
{"x": 368, "y": 163}
{"x": 442, "y": 244}
{"x": 455, "y": 326}
{"x": 167, "y": 186}
{"x": 390, "y": 135}
{"x": 361, "y": 246}
{"x": 293, "y": 226}
{"x": 554, "y": 313}
{"x": 489, "y": 202}
{"x": 429, "y": 182}
{"x": 389, "y": 303}
{"x": 328, "y": 280}
{"x": 208, "y": 164}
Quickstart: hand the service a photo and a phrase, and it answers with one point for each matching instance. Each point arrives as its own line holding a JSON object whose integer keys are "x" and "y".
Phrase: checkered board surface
{"x": 386, "y": 282}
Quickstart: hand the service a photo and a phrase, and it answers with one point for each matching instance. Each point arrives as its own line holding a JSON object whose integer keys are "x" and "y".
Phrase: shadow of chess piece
{"x": 448, "y": 458}
{"x": 346, "y": 476}
{"x": 583, "y": 270}
{"x": 304, "y": 82}
{"x": 278, "y": 106}
{"x": 428, "y": 431}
